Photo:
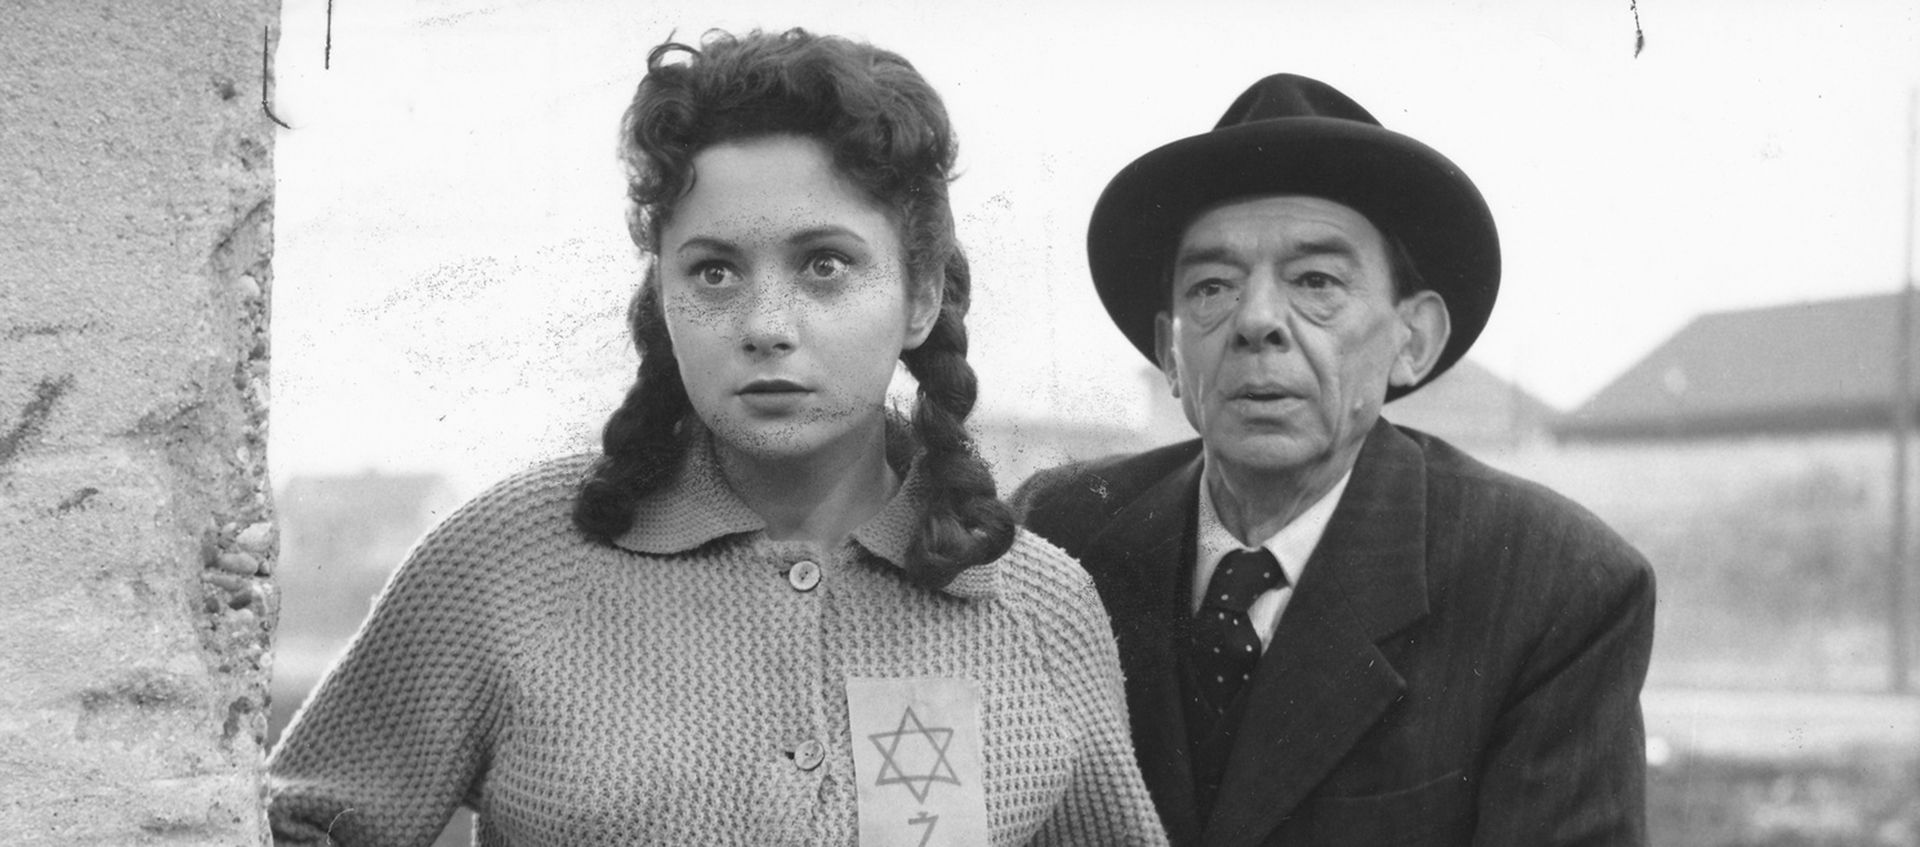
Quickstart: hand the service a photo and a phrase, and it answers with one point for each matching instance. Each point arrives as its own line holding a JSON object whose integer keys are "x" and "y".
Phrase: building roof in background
{"x": 1471, "y": 407}
{"x": 1806, "y": 367}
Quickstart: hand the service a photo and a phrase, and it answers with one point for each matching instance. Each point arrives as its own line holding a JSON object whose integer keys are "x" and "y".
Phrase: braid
{"x": 965, "y": 523}
{"x": 641, "y": 444}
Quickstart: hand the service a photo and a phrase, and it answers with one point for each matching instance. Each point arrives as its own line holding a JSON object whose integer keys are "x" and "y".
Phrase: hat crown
{"x": 1283, "y": 96}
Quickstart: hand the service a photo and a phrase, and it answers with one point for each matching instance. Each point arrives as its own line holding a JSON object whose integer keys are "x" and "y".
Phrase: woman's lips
{"x": 772, "y": 386}
{"x": 773, "y": 396}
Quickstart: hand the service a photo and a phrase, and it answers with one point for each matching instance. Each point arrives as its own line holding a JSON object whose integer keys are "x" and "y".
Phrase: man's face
{"x": 1284, "y": 333}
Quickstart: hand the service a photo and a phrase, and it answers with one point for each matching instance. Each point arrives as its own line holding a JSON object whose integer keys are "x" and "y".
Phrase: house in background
{"x": 1751, "y": 458}
{"x": 1477, "y": 411}
{"x": 1799, "y": 369}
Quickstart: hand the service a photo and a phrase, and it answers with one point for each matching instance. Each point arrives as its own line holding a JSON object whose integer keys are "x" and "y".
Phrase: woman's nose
{"x": 767, "y": 328}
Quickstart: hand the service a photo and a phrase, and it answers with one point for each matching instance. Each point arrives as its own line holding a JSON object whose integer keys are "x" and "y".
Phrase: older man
{"x": 1335, "y": 630}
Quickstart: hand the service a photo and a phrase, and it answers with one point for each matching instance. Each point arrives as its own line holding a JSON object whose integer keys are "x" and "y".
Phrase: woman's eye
{"x": 826, "y": 266}
{"x": 713, "y": 274}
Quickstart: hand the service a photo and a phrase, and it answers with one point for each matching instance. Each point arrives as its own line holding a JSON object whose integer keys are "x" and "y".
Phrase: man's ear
{"x": 923, "y": 311}
{"x": 1424, "y": 314}
{"x": 1163, "y": 351}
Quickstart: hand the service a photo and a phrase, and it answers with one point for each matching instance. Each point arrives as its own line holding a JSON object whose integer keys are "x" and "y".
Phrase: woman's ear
{"x": 1424, "y": 314}
{"x": 924, "y": 299}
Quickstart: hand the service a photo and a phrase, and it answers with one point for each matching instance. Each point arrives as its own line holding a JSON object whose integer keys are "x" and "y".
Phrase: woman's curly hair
{"x": 888, "y": 134}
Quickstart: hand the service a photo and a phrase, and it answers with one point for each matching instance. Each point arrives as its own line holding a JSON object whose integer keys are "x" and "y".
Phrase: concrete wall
{"x": 135, "y": 528}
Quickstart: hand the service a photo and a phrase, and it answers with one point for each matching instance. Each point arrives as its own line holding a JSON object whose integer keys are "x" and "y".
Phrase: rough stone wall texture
{"x": 135, "y": 540}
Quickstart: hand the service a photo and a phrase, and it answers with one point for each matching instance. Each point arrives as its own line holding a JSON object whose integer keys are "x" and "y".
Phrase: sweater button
{"x": 809, "y": 754}
{"x": 804, "y": 575}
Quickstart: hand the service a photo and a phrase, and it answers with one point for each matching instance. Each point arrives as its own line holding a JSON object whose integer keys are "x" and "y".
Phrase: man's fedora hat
{"x": 1293, "y": 135}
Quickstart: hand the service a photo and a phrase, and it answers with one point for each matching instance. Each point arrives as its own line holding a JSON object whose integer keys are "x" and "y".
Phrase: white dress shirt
{"x": 1292, "y": 545}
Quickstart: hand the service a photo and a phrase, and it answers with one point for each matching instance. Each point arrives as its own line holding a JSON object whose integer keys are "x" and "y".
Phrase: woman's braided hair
{"x": 887, "y": 132}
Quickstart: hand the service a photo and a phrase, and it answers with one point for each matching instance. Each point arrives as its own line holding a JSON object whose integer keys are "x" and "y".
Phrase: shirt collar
{"x": 1292, "y": 545}
{"x": 698, "y": 506}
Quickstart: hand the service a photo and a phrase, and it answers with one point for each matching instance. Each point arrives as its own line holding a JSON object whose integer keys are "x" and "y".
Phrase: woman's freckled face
{"x": 788, "y": 300}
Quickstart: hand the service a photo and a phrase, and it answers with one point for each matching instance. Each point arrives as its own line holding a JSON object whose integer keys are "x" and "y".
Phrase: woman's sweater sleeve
{"x": 1106, "y": 801}
{"x": 399, "y": 732}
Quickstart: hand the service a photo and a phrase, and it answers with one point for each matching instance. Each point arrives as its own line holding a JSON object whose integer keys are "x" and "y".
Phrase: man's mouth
{"x": 1262, "y": 394}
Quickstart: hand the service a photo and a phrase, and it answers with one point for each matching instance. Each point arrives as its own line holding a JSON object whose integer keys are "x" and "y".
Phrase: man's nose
{"x": 767, "y": 327}
{"x": 1261, "y": 319}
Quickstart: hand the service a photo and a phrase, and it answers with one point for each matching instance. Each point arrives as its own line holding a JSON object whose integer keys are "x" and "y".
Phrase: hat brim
{"x": 1402, "y": 186}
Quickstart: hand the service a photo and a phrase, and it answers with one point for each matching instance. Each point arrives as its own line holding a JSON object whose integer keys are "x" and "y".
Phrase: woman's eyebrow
{"x": 706, "y": 244}
{"x": 820, "y": 233}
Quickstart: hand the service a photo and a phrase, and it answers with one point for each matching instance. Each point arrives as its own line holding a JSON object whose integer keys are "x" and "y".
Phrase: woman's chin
{"x": 778, "y": 440}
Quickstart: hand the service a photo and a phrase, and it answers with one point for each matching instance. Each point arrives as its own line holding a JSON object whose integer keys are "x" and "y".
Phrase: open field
{"x": 1777, "y": 725}
{"x": 1771, "y": 769}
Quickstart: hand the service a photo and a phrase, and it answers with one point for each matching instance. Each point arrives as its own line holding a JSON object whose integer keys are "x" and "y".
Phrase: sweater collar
{"x": 698, "y": 506}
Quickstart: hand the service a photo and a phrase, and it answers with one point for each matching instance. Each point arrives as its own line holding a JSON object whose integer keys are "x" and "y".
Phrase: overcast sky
{"x": 451, "y": 260}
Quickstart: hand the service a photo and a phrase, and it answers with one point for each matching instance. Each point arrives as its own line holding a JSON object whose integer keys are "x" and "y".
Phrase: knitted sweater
{"x": 679, "y": 687}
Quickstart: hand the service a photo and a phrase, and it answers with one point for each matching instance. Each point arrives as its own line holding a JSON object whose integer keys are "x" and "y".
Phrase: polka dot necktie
{"x": 1225, "y": 647}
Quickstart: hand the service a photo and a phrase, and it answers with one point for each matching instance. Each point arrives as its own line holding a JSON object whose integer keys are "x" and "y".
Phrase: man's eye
{"x": 1315, "y": 280}
{"x": 826, "y": 266}
{"x": 1207, "y": 288}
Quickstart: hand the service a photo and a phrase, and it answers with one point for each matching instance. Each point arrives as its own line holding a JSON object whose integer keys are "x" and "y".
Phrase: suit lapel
{"x": 1144, "y": 547}
{"x": 1323, "y": 683}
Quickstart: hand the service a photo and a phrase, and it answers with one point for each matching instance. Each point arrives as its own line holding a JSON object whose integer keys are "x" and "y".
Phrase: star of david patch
{"x": 911, "y": 767}
{"x": 913, "y": 734}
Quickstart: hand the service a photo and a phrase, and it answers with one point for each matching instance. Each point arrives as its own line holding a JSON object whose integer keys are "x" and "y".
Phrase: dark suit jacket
{"x": 1460, "y": 663}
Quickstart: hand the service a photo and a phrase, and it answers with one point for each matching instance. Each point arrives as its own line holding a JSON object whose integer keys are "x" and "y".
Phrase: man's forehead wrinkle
{"x": 1334, "y": 245}
{"x": 1205, "y": 254}
{"x": 1231, "y": 250}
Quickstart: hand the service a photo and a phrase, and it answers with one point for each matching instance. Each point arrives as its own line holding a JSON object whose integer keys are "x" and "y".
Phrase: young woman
{"x": 770, "y": 612}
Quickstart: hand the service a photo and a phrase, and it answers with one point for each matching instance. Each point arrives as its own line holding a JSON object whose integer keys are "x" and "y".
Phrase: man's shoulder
{"x": 1105, "y": 484}
{"x": 1465, "y": 492}
{"x": 1064, "y": 502}
{"x": 1456, "y": 480}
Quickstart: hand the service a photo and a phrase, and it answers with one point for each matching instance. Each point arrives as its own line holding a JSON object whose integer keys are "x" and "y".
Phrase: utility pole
{"x": 1899, "y": 614}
